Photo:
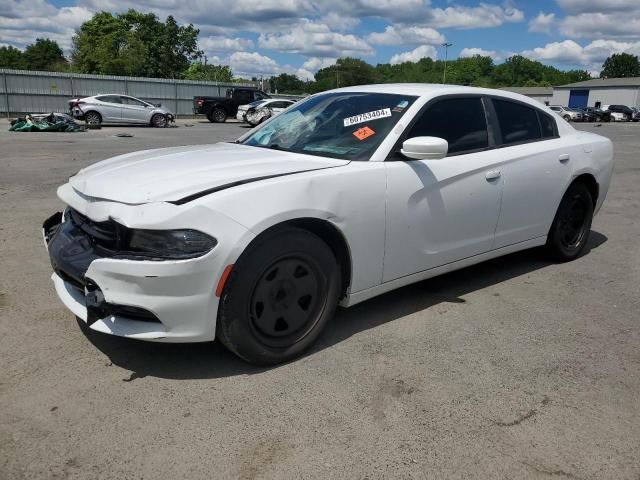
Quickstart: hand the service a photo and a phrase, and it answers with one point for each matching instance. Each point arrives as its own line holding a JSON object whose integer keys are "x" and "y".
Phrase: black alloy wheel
{"x": 571, "y": 226}
{"x": 219, "y": 115}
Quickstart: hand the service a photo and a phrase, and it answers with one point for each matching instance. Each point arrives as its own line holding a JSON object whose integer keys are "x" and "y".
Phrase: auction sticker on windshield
{"x": 365, "y": 117}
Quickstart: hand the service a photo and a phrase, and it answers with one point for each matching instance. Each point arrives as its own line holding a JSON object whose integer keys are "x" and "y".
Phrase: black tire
{"x": 567, "y": 118}
{"x": 93, "y": 119}
{"x": 571, "y": 226}
{"x": 217, "y": 115}
{"x": 159, "y": 120}
{"x": 279, "y": 296}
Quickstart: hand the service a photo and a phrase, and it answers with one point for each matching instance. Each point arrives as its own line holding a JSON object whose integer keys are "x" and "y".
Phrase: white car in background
{"x": 569, "y": 114}
{"x": 257, "y": 112}
{"x": 347, "y": 195}
{"x": 119, "y": 109}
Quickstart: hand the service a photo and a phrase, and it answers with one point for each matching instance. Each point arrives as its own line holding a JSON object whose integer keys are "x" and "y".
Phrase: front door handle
{"x": 564, "y": 158}
{"x": 492, "y": 175}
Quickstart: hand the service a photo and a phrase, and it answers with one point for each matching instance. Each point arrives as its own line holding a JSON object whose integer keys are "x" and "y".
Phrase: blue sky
{"x": 266, "y": 37}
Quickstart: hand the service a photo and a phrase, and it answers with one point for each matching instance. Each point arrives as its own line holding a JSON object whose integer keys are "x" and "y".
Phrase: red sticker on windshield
{"x": 363, "y": 133}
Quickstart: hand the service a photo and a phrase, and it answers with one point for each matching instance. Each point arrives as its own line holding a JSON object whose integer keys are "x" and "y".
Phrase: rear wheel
{"x": 159, "y": 120}
{"x": 280, "y": 295}
{"x": 93, "y": 119}
{"x": 217, "y": 115}
{"x": 571, "y": 226}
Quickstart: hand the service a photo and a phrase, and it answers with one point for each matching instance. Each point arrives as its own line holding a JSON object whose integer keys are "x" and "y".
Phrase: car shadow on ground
{"x": 212, "y": 360}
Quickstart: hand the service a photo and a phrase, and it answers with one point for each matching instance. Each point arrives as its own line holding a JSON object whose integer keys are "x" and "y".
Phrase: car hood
{"x": 174, "y": 174}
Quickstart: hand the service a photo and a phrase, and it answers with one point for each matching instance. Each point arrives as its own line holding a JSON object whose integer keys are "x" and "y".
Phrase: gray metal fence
{"x": 23, "y": 91}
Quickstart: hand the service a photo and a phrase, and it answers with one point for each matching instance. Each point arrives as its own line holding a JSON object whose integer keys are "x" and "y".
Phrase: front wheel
{"x": 279, "y": 296}
{"x": 567, "y": 118}
{"x": 571, "y": 226}
{"x": 159, "y": 120}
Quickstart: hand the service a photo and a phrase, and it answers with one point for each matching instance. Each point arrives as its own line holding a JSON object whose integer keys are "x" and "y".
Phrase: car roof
{"x": 436, "y": 89}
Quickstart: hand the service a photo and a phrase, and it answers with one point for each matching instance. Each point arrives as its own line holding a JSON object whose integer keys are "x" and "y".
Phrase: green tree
{"x": 286, "y": 83}
{"x": 11, "y": 57}
{"x": 215, "y": 73}
{"x": 477, "y": 71}
{"x": 44, "y": 54}
{"x": 345, "y": 72}
{"x": 467, "y": 71}
{"x": 134, "y": 43}
{"x": 621, "y": 65}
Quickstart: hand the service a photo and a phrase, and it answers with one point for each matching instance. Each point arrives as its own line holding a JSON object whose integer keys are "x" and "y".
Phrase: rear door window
{"x": 518, "y": 123}
{"x": 460, "y": 121}
{"x": 110, "y": 99}
{"x": 133, "y": 101}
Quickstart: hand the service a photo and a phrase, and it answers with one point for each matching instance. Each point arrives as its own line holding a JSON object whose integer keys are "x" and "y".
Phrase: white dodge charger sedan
{"x": 346, "y": 195}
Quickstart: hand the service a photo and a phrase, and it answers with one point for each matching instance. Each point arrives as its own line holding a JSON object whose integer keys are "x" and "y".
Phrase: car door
{"x": 110, "y": 108}
{"x": 134, "y": 111}
{"x": 440, "y": 211}
{"x": 536, "y": 170}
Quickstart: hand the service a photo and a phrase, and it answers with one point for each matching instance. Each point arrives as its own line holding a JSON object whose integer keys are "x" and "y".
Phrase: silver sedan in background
{"x": 119, "y": 109}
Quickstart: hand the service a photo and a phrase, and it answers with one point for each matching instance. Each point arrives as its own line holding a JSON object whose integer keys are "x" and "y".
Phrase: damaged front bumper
{"x": 169, "y": 301}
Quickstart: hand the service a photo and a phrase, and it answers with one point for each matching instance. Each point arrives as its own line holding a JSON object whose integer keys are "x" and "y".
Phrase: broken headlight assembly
{"x": 169, "y": 244}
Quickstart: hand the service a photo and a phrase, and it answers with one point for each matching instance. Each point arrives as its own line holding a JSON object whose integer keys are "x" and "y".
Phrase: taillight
{"x": 200, "y": 102}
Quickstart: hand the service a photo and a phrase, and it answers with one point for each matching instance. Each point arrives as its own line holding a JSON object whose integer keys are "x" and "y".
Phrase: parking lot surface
{"x": 515, "y": 368}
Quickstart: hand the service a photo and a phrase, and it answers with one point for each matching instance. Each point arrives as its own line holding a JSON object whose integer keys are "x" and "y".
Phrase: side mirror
{"x": 425, "y": 148}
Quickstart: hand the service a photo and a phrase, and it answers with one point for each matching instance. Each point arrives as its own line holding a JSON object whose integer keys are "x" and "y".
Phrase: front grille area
{"x": 108, "y": 235}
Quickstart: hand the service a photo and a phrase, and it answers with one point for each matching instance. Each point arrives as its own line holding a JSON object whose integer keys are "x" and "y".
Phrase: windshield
{"x": 345, "y": 125}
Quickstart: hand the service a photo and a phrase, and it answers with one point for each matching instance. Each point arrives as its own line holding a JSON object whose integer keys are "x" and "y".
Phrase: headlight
{"x": 170, "y": 244}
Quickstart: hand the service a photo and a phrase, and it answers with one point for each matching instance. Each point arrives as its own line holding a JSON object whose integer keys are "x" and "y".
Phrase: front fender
{"x": 351, "y": 198}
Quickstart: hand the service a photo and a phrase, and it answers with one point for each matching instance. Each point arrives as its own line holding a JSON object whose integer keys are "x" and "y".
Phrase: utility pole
{"x": 337, "y": 78}
{"x": 444, "y": 72}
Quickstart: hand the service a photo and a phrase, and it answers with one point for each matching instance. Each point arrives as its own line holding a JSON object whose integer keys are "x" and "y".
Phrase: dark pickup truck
{"x": 217, "y": 109}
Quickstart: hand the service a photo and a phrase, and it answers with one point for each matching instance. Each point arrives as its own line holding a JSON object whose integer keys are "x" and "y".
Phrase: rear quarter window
{"x": 518, "y": 122}
{"x": 547, "y": 125}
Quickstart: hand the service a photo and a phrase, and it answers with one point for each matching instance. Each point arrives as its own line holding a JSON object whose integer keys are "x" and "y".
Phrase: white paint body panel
{"x": 403, "y": 221}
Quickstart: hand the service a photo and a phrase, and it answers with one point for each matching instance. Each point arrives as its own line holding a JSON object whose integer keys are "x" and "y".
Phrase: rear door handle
{"x": 564, "y": 158}
{"x": 492, "y": 175}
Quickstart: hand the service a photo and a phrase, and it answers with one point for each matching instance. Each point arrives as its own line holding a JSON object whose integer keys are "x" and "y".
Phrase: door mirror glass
{"x": 425, "y": 148}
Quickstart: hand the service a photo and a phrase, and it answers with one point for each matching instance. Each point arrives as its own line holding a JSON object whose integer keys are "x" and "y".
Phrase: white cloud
{"x": 406, "y": 35}
{"x": 220, "y": 43}
{"x": 597, "y": 25}
{"x": 542, "y": 23}
{"x": 315, "y": 39}
{"x": 587, "y": 6}
{"x": 600, "y": 18}
{"x": 414, "y": 55}
{"x": 309, "y": 68}
{"x": 591, "y": 56}
{"x": 339, "y": 22}
{"x": 21, "y": 27}
{"x": 253, "y": 64}
{"x": 482, "y": 16}
{"x": 494, "y": 54}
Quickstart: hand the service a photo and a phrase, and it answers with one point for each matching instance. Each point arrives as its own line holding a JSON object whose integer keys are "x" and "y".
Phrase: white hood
{"x": 171, "y": 174}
